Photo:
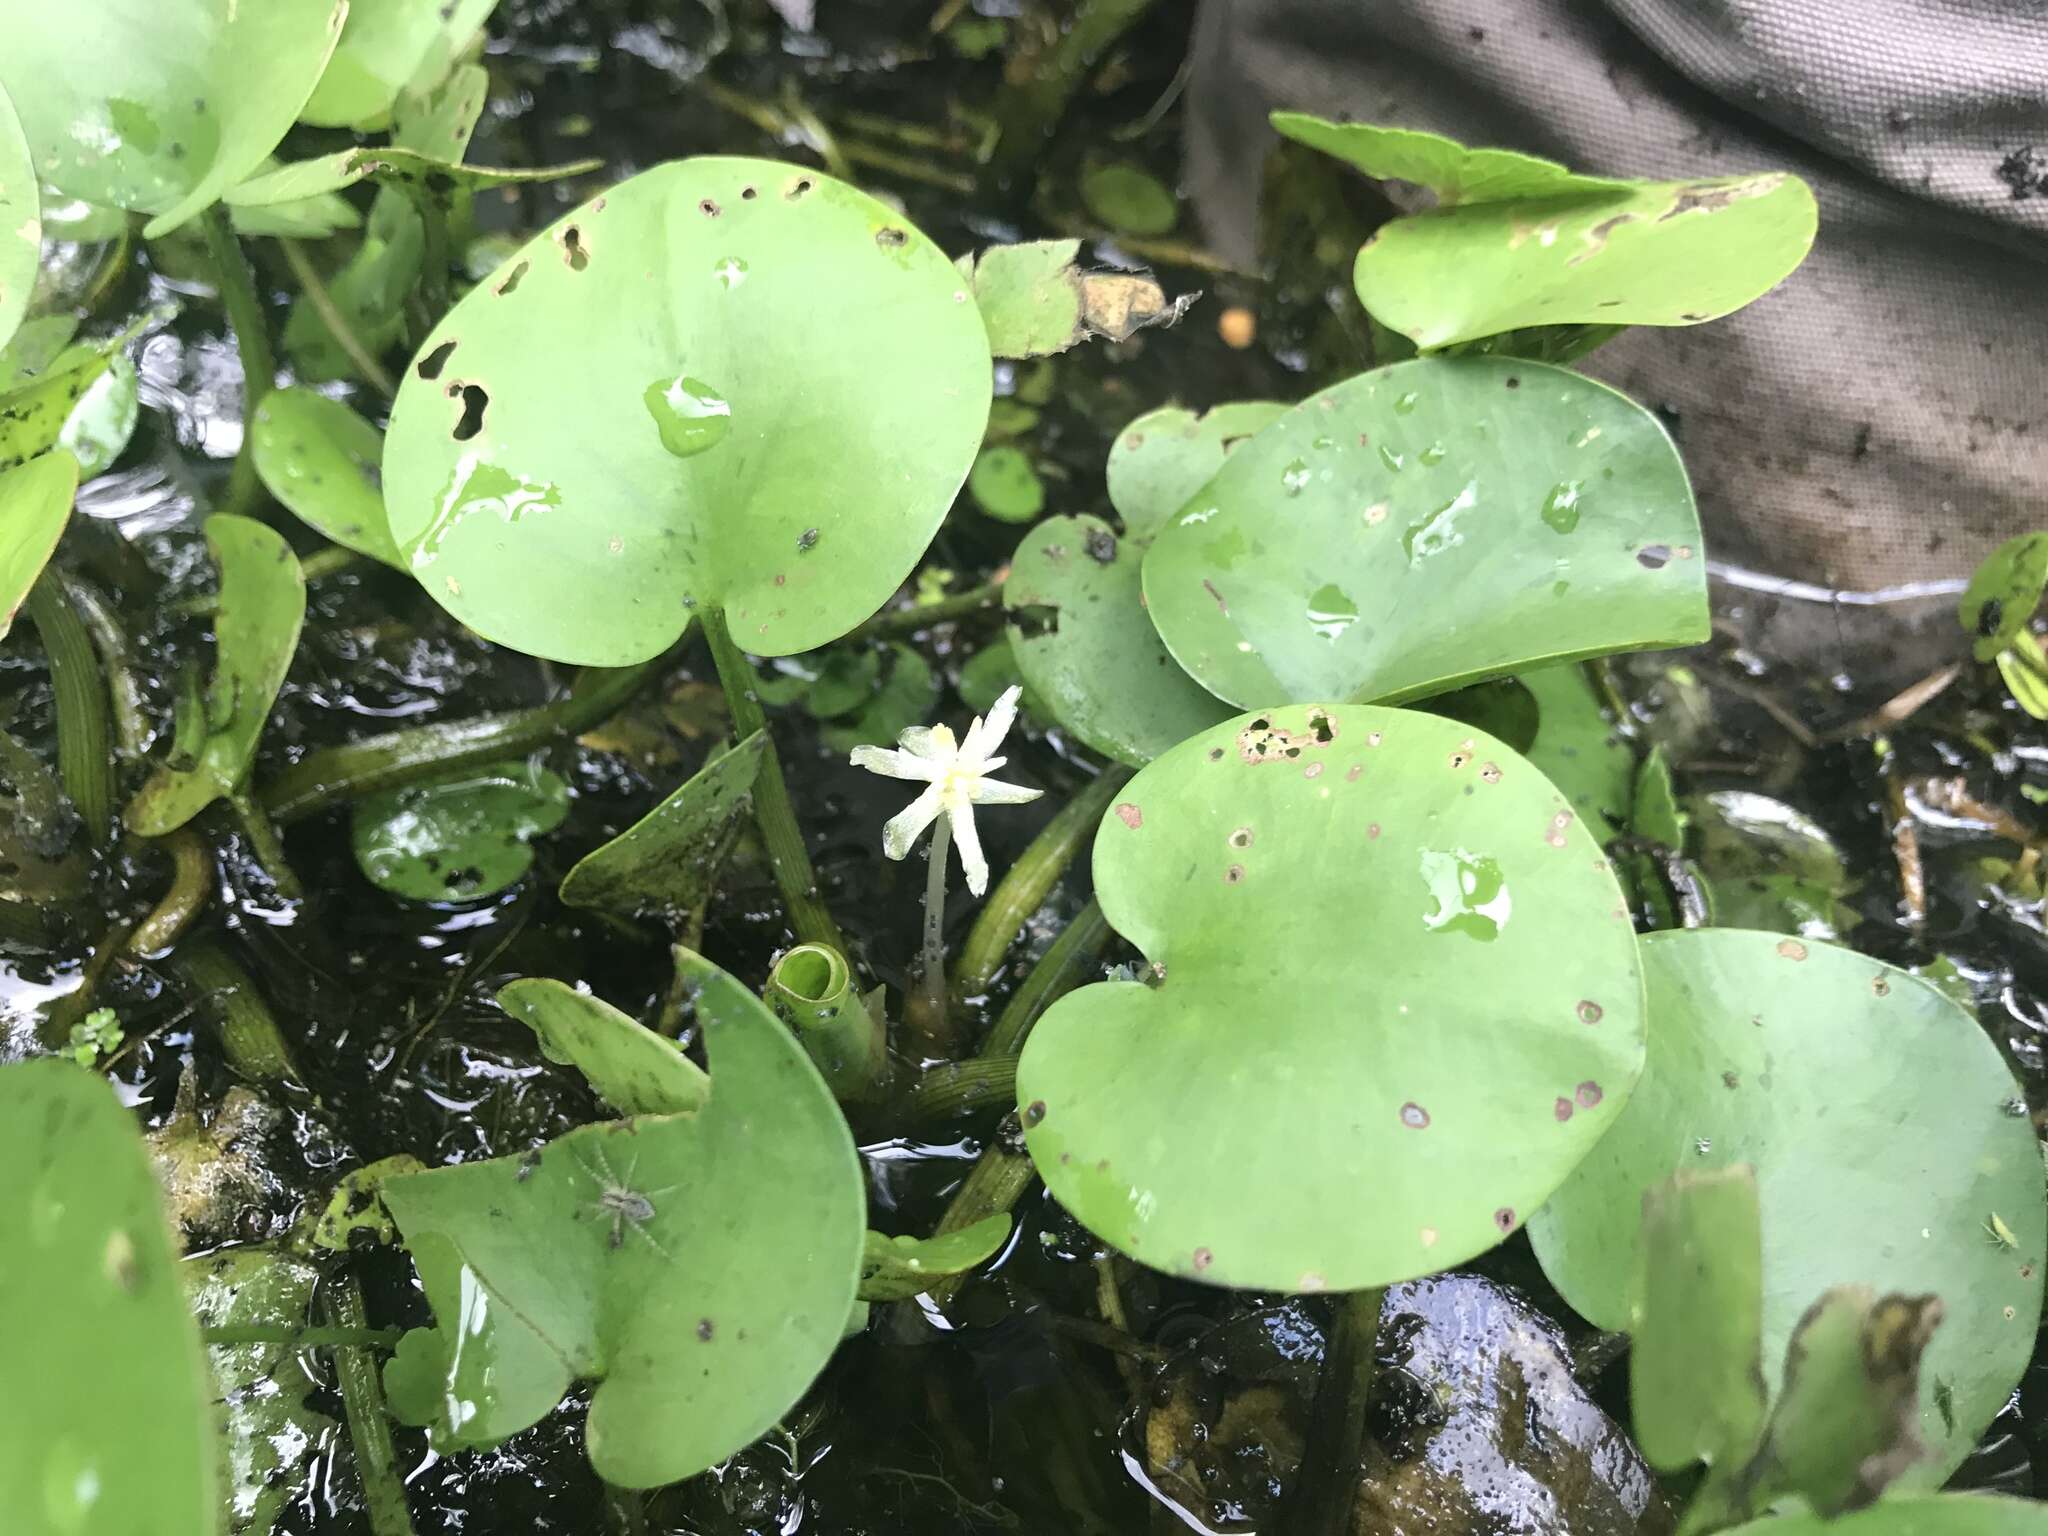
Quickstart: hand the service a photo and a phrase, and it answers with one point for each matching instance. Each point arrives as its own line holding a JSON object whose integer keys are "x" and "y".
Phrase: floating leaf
{"x": 665, "y": 863}
{"x": 1696, "y": 1389}
{"x": 1005, "y": 486}
{"x": 1426, "y": 525}
{"x": 2004, "y": 591}
{"x": 1078, "y": 625}
{"x": 704, "y": 1304}
{"x": 777, "y": 430}
{"x": 386, "y": 47}
{"x": 390, "y": 165}
{"x": 256, "y": 630}
{"x": 160, "y": 108}
{"x": 355, "y": 1215}
{"x": 1036, "y": 301}
{"x": 94, "y": 1288}
{"x": 1129, "y": 199}
{"x": 461, "y": 839}
{"x": 1391, "y": 958}
{"x": 1741, "y": 1069}
{"x": 325, "y": 463}
{"x": 273, "y": 1435}
{"x": 635, "y": 1070}
{"x": 898, "y": 1268}
{"x": 1521, "y": 242}
{"x": 35, "y": 504}
{"x": 21, "y": 229}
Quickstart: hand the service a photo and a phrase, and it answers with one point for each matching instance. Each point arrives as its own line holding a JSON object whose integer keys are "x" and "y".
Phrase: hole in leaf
{"x": 573, "y": 249}
{"x": 474, "y": 401}
{"x": 709, "y": 208}
{"x": 890, "y": 237}
{"x": 799, "y": 187}
{"x": 748, "y": 194}
{"x": 431, "y": 365}
{"x": 511, "y": 279}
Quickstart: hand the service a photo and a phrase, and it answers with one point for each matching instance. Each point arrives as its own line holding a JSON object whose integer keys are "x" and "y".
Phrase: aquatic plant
{"x": 1374, "y": 844}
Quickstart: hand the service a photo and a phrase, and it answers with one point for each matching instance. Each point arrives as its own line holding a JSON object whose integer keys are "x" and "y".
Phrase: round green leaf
{"x": 726, "y": 382}
{"x": 704, "y": 1296}
{"x": 1005, "y": 486}
{"x": 2003, "y": 593}
{"x": 1425, "y": 525}
{"x": 325, "y": 463}
{"x": 1397, "y": 1002}
{"x": 35, "y": 503}
{"x": 1940, "y": 1514}
{"x": 256, "y": 630}
{"x": 1167, "y": 455}
{"x": 1086, "y": 648}
{"x": 637, "y": 1071}
{"x": 21, "y": 230}
{"x": 387, "y": 46}
{"x": 458, "y": 840}
{"x": 1129, "y": 200}
{"x": 1881, "y": 1124}
{"x": 91, "y": 1280}
{"x": 160, "y": 106}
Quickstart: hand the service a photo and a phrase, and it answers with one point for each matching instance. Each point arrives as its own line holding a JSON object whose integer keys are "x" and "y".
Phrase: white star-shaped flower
{"x": 957, "y": 776}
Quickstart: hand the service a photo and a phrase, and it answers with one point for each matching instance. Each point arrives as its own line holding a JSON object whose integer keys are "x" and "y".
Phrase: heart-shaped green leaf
{"x": 726, "y": 382}
{"x": 700, "y": 1267}
{"x": 461, "y": 839}
{"x": 256, "y": 630}
{"x": 1780, "y": 1052}
{"x": 1005, "y": 486}
{"x": 91, "y": 1279}
{"x": 2004, "y": 591}
{"x": 1397, "y": 983}
{"x": 326, "y": 464}
{"x": 35, "y": 504}
{"x": 1523, "y": 242}
{"x": 273, "y": 1434}
{"x": 21, "y": 229}
{"x": 1078, "y": 626}
{"x": 635, "y": 1070}
{"x": 1425, "y": 525}
{"x": 160, "y": 106}
{"x": 386, "y": 47}
{"x": 663, "y": 865}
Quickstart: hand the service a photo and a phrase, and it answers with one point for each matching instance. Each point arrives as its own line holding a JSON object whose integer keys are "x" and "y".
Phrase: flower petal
{"x": 928, "y": 741}
{"x": 906, "y": 826}
{"x": 996, "y": 792}
{"x": 1001, "y": 716}
{"x": 893, "y": 764}
{"x": 969, "y": 842}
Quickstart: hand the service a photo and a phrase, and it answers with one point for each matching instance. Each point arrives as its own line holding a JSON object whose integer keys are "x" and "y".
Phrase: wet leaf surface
{"x": 108, "y": 1304}
{"x": 632, "y": 1068}
{"x": 1522, "y": 242}
{"x": 664, "y": 865}
{"x": 325, "y": 463}
{"x": 1784, "y": 1053}
{"x": 160, "y": 107}
{"x": 1084, "y": 643}
{"x": 611, "y": 1255}
{"x": 21, "y": 229}
{"x": 35, "y": 504}
{"x": 1427, "y": 525}
{"x": 273, "y": 1436}
{"x": 387, "y": 46}
{"x": 1390, "y": 953}
{"x": 460, "y": 840}
{"x": 256, "y": 629}
{"x": 778, "y": 432}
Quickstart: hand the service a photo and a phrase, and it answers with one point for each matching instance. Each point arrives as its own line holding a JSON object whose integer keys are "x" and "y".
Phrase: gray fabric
{"x": 1872, "y": 422}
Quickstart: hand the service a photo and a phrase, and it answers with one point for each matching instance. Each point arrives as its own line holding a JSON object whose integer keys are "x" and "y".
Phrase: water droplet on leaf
{"x": 1561, "y": 506}
{"x": 690, "y": 415}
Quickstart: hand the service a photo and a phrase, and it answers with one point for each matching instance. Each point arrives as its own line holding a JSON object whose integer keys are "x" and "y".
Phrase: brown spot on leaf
{"x": 1203, "y": 1259}
{"x": 1563, "y": 1110}
{"x": 1130, "y": 815}
{"x": 1588, "y": 1094}
{"x": 705, "y": 1329}
{"x": 1034, "y": 1112}
{"x": 1234, "y": 875}
{"x": 1590, "y": 1012}
{"x": 1792, "y": 949}
{"x": 1504, "y": 1218}
{"x": 1414, "y": 1116}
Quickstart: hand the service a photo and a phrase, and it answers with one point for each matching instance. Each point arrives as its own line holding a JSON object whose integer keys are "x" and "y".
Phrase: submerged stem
{"x": 335, "y": 775}
{"x": 191, "y": 884}
{"x": 1026, "y": 883}
{"x": 926, "y": 1011}
{"x": 250, "y": 1036}
{"x": 266, "y": 843}
{"x": 774, "y": 813}
{"x": 132, "y": 729}
{"x": 908, "y": 621}
{"x": 369, "y": 1431}
{"x": 244, "y": 306}
{"x": 1326, "y": 1484}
